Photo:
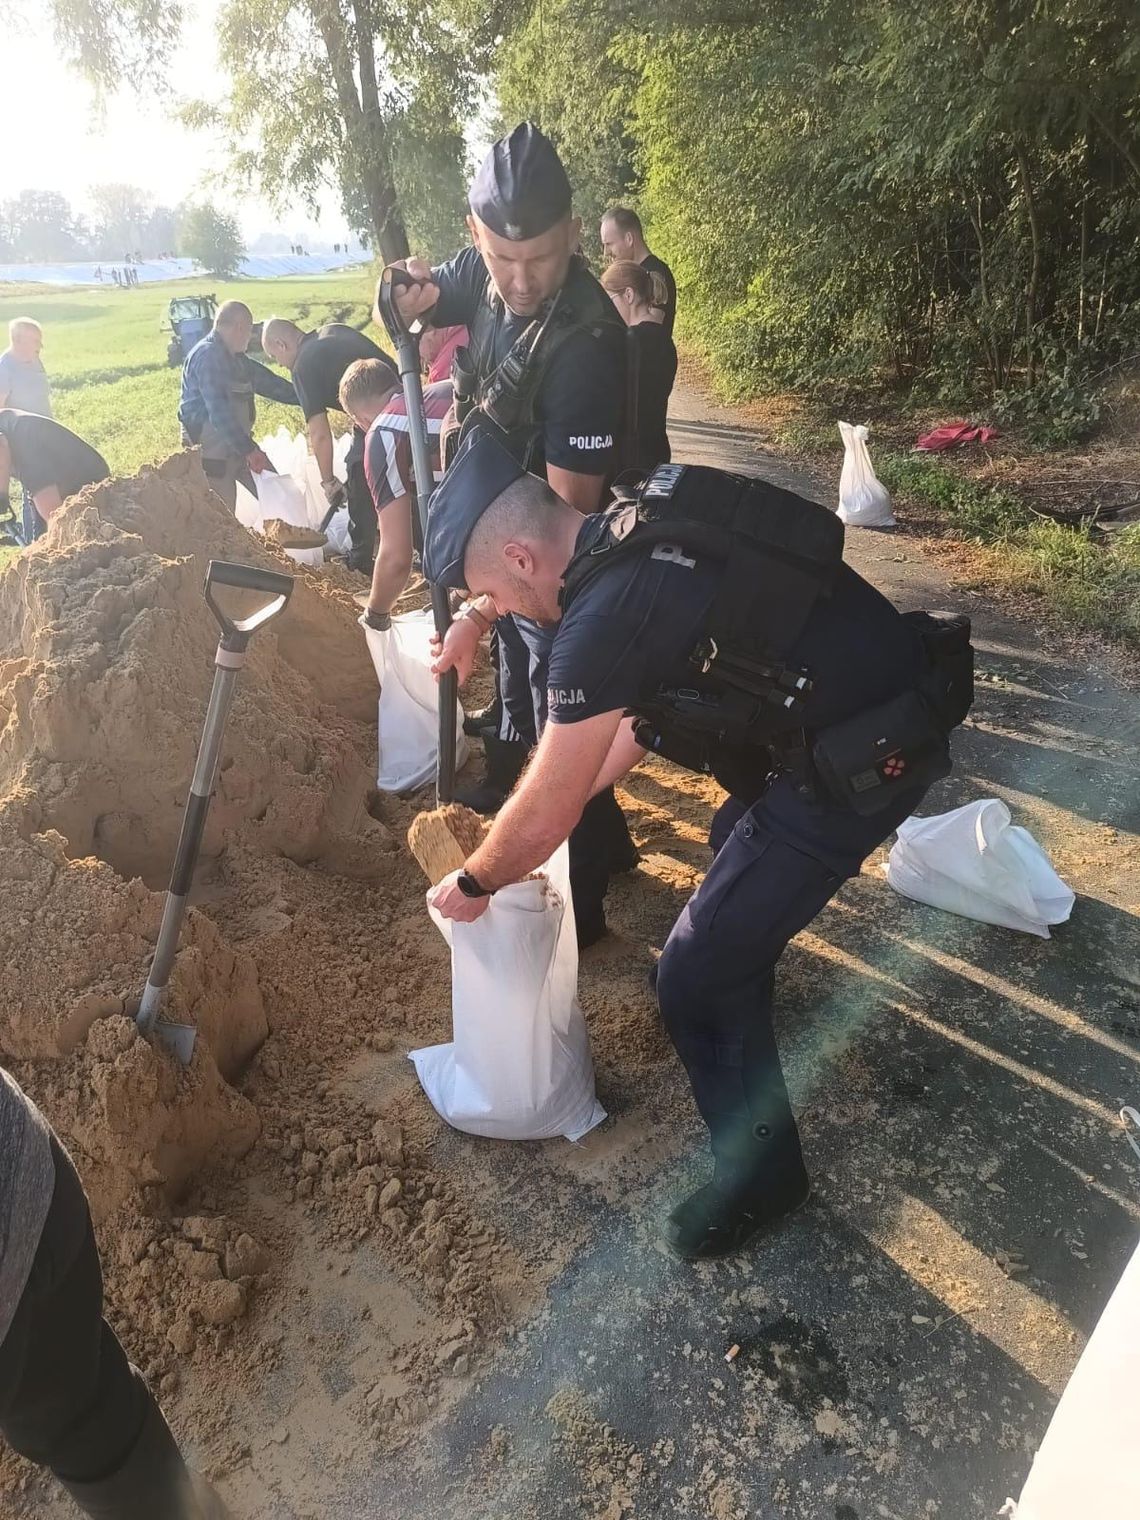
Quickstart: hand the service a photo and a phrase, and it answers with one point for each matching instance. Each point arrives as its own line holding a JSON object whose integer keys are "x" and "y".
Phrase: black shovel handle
{"x": 237, "y": 632}
{"x": 405, "y": 339}
{"x": 391, "y": 281}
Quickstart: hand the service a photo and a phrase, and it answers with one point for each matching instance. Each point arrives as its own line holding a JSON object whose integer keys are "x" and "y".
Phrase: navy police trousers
{"x": 716, "y": 974}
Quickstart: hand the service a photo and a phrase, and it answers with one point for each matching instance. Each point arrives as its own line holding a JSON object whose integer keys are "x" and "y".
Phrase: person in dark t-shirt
{"x": 623, "y": 238}
{"x": 317, "y": 362}
{"x": 49, "y": 461}
{"x": 632, "y": 638}
{"x": 651, "y": 359}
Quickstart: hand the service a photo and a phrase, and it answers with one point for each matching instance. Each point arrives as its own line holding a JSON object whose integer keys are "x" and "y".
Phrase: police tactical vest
{"x": 506, "y": 393}
{"x": 779, "y": 553}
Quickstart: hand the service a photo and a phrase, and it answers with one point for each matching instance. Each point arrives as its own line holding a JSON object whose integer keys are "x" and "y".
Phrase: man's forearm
{"x": 321, "y": 443}
{"x": 523, "y": 837}
{"x": 389, "y": 577}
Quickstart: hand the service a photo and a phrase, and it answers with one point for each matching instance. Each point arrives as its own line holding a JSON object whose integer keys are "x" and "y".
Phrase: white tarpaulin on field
{"x": 150, "y": 270}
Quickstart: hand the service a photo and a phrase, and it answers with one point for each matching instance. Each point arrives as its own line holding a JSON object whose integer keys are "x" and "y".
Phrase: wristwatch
{"x": 470, "y": 887}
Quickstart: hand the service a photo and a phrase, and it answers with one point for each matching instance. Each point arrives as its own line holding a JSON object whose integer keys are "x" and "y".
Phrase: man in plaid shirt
{"x": 217, "y": 409}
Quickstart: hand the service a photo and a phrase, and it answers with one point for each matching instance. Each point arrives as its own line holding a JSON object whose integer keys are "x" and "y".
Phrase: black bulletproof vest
{"x": 779, "y": 555}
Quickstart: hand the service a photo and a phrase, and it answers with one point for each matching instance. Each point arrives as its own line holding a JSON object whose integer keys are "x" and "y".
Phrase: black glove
{"x": 378, "y": 620}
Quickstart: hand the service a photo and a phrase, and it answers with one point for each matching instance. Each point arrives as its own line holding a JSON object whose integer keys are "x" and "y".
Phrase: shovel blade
{"x": 177, "y": 1038}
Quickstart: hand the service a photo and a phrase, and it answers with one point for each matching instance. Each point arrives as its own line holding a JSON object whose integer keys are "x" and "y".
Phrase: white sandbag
{"x": 277, "y": 496}
{"x": 864, "y": 500}
{"x": 518, "y": 1066}
{"x": 340, "y": 540}
{"x": 975, "y": 862}
{"x": 409, "y": 703}
{"x": 1087, "y": 1464}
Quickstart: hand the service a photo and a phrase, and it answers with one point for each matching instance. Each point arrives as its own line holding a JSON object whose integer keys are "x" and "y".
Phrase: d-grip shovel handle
{"x": 237, "y": 632}
{"x": 392, "y": 280}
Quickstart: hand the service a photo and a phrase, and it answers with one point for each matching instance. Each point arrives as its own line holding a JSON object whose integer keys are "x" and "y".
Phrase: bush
{"x": 1056, "y": 413}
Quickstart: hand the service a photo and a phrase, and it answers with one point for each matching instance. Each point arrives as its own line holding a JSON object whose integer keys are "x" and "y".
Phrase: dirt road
{"x": 903, "y": 1339}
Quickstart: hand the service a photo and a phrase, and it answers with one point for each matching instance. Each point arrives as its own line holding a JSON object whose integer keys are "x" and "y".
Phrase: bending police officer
{"x": 711, "y": 619}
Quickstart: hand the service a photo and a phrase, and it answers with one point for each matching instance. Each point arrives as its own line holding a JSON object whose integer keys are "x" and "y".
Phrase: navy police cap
{"x": 521, "y": 189}
{"x": 480, "y": 472}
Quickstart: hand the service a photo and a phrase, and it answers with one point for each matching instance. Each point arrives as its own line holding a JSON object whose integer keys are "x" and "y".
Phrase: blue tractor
{"x": 188, "y": 318}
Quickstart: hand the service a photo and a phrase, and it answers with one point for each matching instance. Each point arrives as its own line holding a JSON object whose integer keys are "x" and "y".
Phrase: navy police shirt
{"x": 581, "y": 399}
{"x": 630, "y": 629}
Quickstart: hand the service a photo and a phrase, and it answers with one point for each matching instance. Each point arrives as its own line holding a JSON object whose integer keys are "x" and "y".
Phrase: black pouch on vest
{"x": 949, "y": 682}
{"x": 862, "y": 762}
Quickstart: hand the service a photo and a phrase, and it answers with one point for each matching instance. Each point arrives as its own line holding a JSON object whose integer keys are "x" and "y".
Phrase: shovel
{"x": 442, "y": 839}
{"x": 406, "y": 341}
{"x": 228, "y": 660}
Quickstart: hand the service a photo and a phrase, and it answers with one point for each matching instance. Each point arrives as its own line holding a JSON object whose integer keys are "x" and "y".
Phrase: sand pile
{"x": 107, "y": 666}
{"x": 107, "y": 669}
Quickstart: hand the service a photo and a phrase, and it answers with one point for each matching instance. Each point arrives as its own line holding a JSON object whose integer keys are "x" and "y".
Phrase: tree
{"x": 119, "y": 215}
{"x": 40, "y": 225}
{"x": 211, "y": 238}
{"x": 112, "y": 42}
{"x": 373, "y": 95}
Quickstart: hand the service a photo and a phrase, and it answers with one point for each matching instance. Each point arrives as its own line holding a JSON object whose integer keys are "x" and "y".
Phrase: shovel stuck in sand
{"x": 228, "y": 660}
{"x": 442, "y": 839}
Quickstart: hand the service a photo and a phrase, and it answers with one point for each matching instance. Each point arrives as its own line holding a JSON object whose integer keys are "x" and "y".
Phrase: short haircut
{"x": 230, "y": 312}
{"x": 277, "y": 328}
{"x": 528, "y": 508}
{"x": 365, "y": 380}
{"x": 624, "y": 220}
{"x": 20, "y": 325}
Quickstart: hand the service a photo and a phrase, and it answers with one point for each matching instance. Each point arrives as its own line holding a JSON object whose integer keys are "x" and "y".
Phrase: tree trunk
{"x": 376, "y": 157}
{"x": 366, "y": 145}
{"x": 1034, "y": 280}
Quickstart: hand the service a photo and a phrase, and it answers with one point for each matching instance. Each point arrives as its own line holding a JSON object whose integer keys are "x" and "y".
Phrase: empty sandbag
{"x": 977, "y": 863}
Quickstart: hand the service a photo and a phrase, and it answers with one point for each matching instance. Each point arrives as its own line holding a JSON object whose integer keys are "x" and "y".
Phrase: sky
{"x": 134, "y": 140}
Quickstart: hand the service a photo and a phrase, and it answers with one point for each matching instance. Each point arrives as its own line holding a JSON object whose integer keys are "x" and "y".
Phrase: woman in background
{"x": 639, "y": 296}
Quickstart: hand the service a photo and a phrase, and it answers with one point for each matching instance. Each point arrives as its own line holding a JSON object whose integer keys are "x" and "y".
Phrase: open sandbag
{"x": 518, "y": 1066}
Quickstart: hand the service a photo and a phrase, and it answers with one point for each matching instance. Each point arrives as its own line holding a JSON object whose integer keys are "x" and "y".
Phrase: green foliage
{"x": 1093, "y": 584}
{"x": 113, "y": 42}
{"x": 1056, "y": 413}
{"x": 862, "y": 192}
{"x": 38, "y": 225}
{"x": 366, "y": 95}
{"x": 211, "y": 238}
{"x": 553, "y": 72}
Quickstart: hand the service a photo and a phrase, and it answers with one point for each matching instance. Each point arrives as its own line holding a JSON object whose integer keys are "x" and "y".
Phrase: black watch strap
{"x": 470, "y": 886}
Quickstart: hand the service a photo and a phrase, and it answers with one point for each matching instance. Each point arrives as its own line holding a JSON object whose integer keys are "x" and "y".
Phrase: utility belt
{"x": 859, "y": 764}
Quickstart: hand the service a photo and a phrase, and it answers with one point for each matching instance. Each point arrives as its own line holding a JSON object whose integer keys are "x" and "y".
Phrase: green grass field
{"x": 106, "y": 356}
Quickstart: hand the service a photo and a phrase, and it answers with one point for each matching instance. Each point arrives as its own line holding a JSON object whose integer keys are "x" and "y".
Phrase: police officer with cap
{"x": 544, "y": 372}
{"x": 709, "y": 618}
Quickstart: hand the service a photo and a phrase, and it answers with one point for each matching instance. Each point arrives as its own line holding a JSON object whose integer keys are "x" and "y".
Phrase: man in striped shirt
{"x": 376, "y": 404}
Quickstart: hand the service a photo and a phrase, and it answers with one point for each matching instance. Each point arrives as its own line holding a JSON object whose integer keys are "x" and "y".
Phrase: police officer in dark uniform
{"x": 709, "y": 618}
{"x": 544, "y": 372}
